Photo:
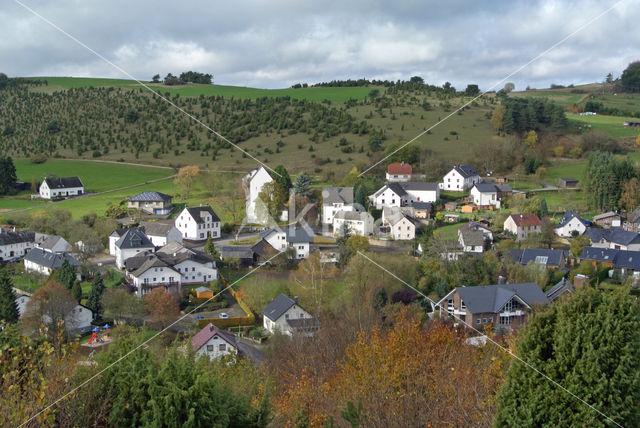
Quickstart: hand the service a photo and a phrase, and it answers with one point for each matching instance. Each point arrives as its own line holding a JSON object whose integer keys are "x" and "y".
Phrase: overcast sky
{"x": 275, "y": 43}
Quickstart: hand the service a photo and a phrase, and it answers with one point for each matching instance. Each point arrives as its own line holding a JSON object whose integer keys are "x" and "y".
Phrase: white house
{"x": 214, "y": 343}
{"x": 252, "y": 184}
{"x": 336, "y": 199}
{"x": 485, "y": 194}
{"x": 21, "y": 302}
{"x": 284, "y": 315}
{"x": 403, "y": 194}
{"x": 76, "y": 321}
{"x": 170, "y": 267}
{"x": 14, "y": 244}
{"x": 399, "y": 171}
{"x": 471, "y": 241}
{"x": 290, "y": 237}
{"x": 460, "y": 178}
{"x": 43, "y": 262}
{"x": 61, "y": 187}
{"x": 198, "y": 223}
{"x": 160, "y": 233}
{"x": 614, "y": 238}
{"x": 521, "y": 225}
{"x": 569, "y": 224}
{"x": 131, "y": 243}
{"x": 401, "y": 227}
{"x": 55, "y": 244}
{"x": 113, "y": 238}
{"x": 359, "y": 223}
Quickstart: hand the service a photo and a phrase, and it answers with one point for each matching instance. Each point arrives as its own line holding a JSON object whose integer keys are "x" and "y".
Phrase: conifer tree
{"x": 67, "y": 274}
{"x": 94, "y": 300}
{"x": 76, "y": 291}
{"x": 8, "y": 306}
{"x": 302, "y": 185}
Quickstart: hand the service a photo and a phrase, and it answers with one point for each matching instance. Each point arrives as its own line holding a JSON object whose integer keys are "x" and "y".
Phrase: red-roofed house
{"x": 522, "y": 225}
{"x": 399, "y": 171}
{"x": 214, "y": 342}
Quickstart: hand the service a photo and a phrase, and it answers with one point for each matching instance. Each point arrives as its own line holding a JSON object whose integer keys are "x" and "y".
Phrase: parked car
{"x": 223, "y": 315}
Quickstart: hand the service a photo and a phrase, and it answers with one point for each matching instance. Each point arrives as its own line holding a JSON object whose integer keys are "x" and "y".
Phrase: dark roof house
{"x": 337, "y": 195}
{"x": 543, "y": 256}
{"x": 134, "y": 238}
{"x": 150, "y": 197}
{"x": 49, "y": 260}
{"x": 278, "y": 307}
{"x": 195, "y": 213}
{"x": 466, "y": 171}
{"x": 63, "y": 182}
{"x": 492, "y": 298}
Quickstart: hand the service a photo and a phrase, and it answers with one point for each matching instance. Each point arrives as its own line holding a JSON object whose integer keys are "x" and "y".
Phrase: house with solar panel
{"x": 154, "y": 203}
{"x": 64, "y": 187}
{"x": 284, "y": 315}
{"x": 501, "y": 305}
{"x": 132, "y": 242}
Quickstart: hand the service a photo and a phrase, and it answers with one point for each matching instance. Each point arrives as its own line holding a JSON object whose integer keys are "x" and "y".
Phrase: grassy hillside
{"x": 338, "y": 95}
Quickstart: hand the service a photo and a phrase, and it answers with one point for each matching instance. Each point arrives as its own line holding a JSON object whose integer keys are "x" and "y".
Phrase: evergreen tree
{"x": 94, "y": 300}
{"x": 359, "y": 195}
{"x": 589, "y": 344}
{"x": 76, "y": 291}
{"x": 302, "y": 185}
{"x": 67, "y": 274}
{"x": 210, "y": 248}
{"x": 543, "y": 210}
{"x": 8, "y": 306}
{"x": 7, "y": 174}
{"x": 282, "y": 178}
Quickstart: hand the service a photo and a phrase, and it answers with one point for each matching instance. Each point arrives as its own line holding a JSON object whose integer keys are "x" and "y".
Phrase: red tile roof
{"x": 526, "y": 220}
{"x": 399, "y": 168}
{"x": 210, "y": 330}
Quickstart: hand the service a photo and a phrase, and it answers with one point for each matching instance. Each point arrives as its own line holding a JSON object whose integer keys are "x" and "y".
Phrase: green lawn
{"x": 95, "y": 175}
{"x": 612, "y": 125}
{"x": 9, "y": 203}
{"x": 448, "y": 232}
{"x": 524, "y": 185}
{"x": 566, "y": 168}
{"x": 333, "y": 94}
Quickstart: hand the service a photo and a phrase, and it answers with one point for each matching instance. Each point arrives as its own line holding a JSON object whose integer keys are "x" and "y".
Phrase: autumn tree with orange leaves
{"x": 162, "y": 307}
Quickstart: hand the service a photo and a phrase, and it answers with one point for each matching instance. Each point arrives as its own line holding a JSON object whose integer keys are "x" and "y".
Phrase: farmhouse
{"x": 569, "y": 224}
{"x": 213, "y": 342}
{"x": 61, "y": 187}
{"x": 43, "y": 262}
{"x": 502, "y": 305}
{"x": 336, "y": 199}
{"x": 485, "y": 194}
{"x": 460, "y": 178}
{"x": 14, "y": 244}
{"x": 522, "y": 225}
{"x": 401, "y": 226}
{"x": 132, "y": 242}
{"x": 299, "y": 239}
{"x": 608, "y": 219}
{"x": 471, "y": 241}
{"x": 198, "y": 223}
{"x": 161, "y": 232}
{"x": 399, "y": 171}
{"x": 252, "y": 184}
{"x": 284, "y": 315}
{"x": 359, "y": 223}
{"x": 472, "y": 225}
{"x": 403, "y": 194}
{"x": 154, "y": 203}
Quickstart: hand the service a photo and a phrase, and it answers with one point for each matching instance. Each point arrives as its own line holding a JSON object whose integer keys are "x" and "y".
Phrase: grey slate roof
{"x": 142, "y": 262}
{"x": 278, "y": 307}
{"x": 419, "y": 205}
{"x": 472, "y": 237}
{"x": 156, "y": 228}
{"x": 150, "y": 197}
{"x": 466, "y": 170}
{"x": 134, "y": 238}
{"x": 296, "y": 235}
{"x": 50, "y": 260}
{"x": 418, "y": 185}
{"x": 195, "y": 213}
{"x": 599, "y": 254}
{"x": 619, "y": 258}
{"x": 564, "y": 286}
{"x": 605, "y": 215}
{"x": 263, "y": 249}
{"x": 236, "y": 252}
{"x": 352, "y": 215}
{"x": 63, "y": 182}
{"x": 333, "y": 195}
{"x": 634, "y": 217}
{"x": 51, "y": 242}
{"x": 554, "y": 257}
{"x": 491, "y": 298}
{"x": 8, "y": 237}
{"x": 566, "y": 218}
{"x": 396, "y": 188}
{"x": 486, "y": 187}
{"x": 614, "y": 234}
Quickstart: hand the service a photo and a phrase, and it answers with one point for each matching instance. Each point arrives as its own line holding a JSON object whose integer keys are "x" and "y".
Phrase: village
{"x": 182, "y": 256}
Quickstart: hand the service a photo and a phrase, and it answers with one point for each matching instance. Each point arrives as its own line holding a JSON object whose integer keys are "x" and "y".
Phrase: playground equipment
{"x": 102, "y": 338}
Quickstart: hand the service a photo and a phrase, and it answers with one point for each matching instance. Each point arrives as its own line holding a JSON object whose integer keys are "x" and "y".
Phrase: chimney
{"x": 211, "y": 328}
{"x": 502, "y": 280}
{"x": 580, "y": 280}
{"x": 295, "y": 299}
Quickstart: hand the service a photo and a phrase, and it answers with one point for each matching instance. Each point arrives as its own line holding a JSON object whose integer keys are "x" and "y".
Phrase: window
{"x": 163, "y": 279}
{"x": 484, "y": 320}
{"x": 478, "y": 321}
{"x": 154, "y": 280}
{"x": 222, "y": 347}
{"x": 193, "y": 269}
{"x": 462, "y": 305}
{"x": 209, "y": 348}
{"x": 286, "y": 316}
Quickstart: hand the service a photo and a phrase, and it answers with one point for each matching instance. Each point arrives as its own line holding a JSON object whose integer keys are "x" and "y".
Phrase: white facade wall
{"x": 112, "y": 243}
{"x": 155, "y": 277}
{"x": 260, "y": 178}
{"x": 79, "y": 318}
{"x": 13, "y": 252}
{"x": 330, "y": 210}
{"x": 216, "y": 347}
{"x": 357, "y": 227}
{"x": 278, "y": 240}
{"x": 454, "y": 181}
{"x": 30, "y": 266}
{"x": 281, "y": 325}
{"x": 421, "y": 196}
{"x": 196, "y": 273}
{"x": 398, "y": 178}
{"x": 403, "y": 230}
{"x": 191, "y": 230}
{"x": 22, "y": 301}
{"x": 174, "y": 235}
{"x": 388, "y": 198}
{"x": 574, "y": 224}
{"x": 123, "y": 254}
{"x": 520, "y": 232}
{"x": 47, "y": 193}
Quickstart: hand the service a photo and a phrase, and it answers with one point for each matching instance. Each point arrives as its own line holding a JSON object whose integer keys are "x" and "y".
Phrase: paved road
{"x": 251, "y": 350}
